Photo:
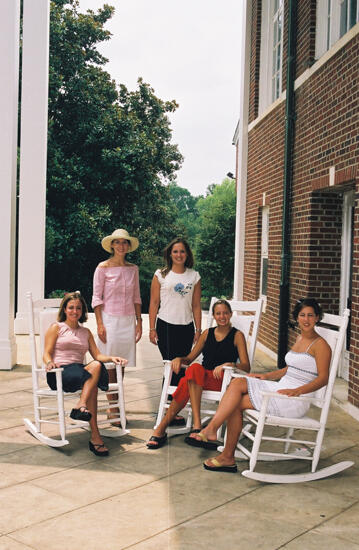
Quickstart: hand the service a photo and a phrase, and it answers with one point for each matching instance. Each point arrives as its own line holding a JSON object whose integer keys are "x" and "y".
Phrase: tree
{"x": 186, "y": 205}
{"x": 109, "y": 155}
{"x": 215, "y": 239}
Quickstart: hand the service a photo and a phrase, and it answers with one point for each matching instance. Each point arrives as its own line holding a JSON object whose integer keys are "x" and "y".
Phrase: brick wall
{"x": 265, "y": 174}
{"x": 326, "y": 136}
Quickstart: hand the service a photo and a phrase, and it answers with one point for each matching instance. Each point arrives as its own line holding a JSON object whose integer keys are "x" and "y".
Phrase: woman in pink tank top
{"x": 66, "y": 343}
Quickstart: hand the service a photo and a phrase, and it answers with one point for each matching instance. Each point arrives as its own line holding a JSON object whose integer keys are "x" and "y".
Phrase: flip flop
{"x": 202, "y": 442}
{"x": 159, "y": 440}
{"x": 178, "y": 421}
{"x": 81, "y": 414}
{"x": 195, "y": 430}
{"x": 95, "y": 449}
{"x": 218, "y": 467}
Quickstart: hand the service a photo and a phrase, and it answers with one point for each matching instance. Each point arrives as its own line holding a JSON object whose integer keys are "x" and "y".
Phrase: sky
{"x": 187, "y": 50}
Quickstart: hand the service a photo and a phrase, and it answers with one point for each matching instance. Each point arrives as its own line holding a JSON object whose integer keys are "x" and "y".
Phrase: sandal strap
{"x": 98, "y": 445}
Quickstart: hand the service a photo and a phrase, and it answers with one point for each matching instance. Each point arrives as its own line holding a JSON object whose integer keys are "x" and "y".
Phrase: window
{"x": 334, "y": 19}
{"x": 264, "y": 251}
{"x": 271, "y": 53}
{"x": 277, "y": 23}
{"x": 348, "y": 15}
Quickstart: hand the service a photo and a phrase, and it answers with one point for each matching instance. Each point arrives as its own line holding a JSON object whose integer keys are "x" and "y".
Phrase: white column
{"x": 9, "y": 90}
{"x": 242, "y": 153}
{"x": 33, "y": 154}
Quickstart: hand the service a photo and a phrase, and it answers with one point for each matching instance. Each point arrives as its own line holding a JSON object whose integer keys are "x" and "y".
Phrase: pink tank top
{"x": 71, "y": 345}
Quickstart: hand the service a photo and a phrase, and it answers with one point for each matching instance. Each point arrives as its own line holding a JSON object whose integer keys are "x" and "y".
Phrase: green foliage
{"x": 186, "y": 205}
{"x": 215, "y": 239}
{"x": 109, "y": 156}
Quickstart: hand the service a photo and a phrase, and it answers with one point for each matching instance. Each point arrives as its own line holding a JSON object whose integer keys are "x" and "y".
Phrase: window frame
{"x": 270, "y": 72}
{"x": 329, "y": 26}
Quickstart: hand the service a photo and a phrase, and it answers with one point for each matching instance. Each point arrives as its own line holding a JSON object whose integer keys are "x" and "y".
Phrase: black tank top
{"x": 216, "y": 353}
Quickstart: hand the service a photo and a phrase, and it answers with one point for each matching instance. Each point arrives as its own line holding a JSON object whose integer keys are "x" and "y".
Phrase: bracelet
{"x": 138, "y": 318}
{"x": 198, "y": 330}
{"x": 48, "y": 363}
{"x": 152, "y": 329}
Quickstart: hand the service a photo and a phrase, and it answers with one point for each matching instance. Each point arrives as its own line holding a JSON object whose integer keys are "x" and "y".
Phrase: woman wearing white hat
{"x": 116, "y": 300}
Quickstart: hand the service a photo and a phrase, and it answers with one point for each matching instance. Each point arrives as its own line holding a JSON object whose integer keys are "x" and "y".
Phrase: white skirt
{"x": 120, "y": 337}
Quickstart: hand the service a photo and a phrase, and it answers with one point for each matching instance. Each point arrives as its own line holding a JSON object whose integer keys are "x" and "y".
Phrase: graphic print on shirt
{"x": 182, "y": 289}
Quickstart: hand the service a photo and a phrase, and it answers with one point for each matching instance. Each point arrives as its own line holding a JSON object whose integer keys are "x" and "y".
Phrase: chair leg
{"x": 317, "y": 448}
{"x": 121, "y": 398}
{"x": 60, "y": 405}
{"x": 287, "y": 443}
{"x": 258, "y": 434}
{"x": 163, "y": 399}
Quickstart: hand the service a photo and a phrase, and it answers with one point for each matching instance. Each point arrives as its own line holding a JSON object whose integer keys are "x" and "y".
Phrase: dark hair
{"x": 307, "y": 302}
{"x": 61, "y": 316}
{"x": 221, "y": 302}
{"x": 167, "y": 255}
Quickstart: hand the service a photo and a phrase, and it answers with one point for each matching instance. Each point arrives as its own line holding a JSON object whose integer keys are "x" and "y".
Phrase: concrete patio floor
{"x": 66, "y": 498}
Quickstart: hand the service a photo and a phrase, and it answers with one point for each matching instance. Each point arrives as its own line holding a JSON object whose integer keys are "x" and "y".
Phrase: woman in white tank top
{"x": 307, "y": 371}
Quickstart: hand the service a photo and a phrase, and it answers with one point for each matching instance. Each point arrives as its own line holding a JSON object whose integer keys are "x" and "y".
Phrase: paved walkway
{"x": 66, "y": 499}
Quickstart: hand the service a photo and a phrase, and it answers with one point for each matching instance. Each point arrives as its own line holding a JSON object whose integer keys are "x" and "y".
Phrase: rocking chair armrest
{"x": 110, "y": 365}
{"x": 283, "y": 396}
{"x": 238, "y": 373}
{"x": 167, "y": 361}
{"x": 44, "y": 371}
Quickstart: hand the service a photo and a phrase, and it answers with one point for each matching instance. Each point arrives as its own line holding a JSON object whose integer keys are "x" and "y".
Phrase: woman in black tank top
{"x": 221, "y": 345}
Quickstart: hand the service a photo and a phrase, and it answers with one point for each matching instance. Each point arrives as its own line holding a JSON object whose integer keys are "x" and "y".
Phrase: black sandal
{"x": 159, "y": 440}
{"x": 178, "y": 421}
{"x": 94, "y": 448}
{"x": 81, "y": 414}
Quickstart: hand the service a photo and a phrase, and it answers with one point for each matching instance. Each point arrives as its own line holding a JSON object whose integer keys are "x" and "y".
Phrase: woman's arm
{"x": 138, "y": 322}
{"x": 153, "y": 309}
{"x": 97, "y": 301}
{"x": 101, "y": 331}
{"x": 137, "y": 305}
{"x": 95, "y": 352}
{"x": 273, "y": 375}
{"x": 50, "y": 342}
{"x": 177, "y": 362}
{"x": 241, "y": 345}
{"x": 197, "y": 311}
{"x": 322, "y": 355}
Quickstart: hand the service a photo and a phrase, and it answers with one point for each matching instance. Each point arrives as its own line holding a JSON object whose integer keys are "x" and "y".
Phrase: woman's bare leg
{"x": 229, "y": 403}
{"x": 172, "y": 410}
{"x": 92, "y": 406}
{"x": 94, "y": 368}
{"x": 195, "y": 394}
{"x": 234, "y": 428}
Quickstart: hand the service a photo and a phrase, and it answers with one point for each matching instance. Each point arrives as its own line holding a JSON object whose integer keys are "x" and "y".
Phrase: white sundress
{"x": 302, "y": 369}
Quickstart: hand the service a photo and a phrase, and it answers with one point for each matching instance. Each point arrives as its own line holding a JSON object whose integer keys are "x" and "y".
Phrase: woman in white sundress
{"x": 307, "y": 371}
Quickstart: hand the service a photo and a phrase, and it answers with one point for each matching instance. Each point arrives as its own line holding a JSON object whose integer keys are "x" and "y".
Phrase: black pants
{"x": 174, "y": 341}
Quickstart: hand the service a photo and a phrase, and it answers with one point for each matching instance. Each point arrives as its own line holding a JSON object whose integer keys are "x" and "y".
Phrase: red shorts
{"x": 201, "y": 377}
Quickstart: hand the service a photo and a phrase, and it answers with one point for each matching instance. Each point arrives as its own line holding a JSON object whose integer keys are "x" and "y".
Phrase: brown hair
{"x": 307, "y": 302}
{"x": 221, "y": 302}
{"x": 76, "y": 295}
{"x": 167, "y": 255}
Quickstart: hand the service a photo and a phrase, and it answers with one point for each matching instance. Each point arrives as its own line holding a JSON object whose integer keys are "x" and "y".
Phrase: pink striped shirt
{"x": 71, "y": 344}
{"x": 117, "y": 289}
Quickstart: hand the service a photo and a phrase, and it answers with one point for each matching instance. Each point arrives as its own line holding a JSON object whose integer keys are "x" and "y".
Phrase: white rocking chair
{"x": 246, "y": 317}
{"x": 308, "y": 450}
{"x": 45, "y": 312}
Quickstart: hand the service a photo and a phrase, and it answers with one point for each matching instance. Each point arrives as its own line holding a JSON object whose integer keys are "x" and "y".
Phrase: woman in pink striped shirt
{"x": 116, "y": 301}
{"x": 66, "y": 343}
